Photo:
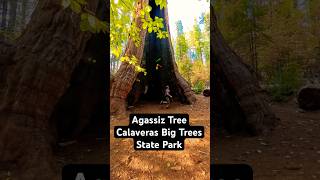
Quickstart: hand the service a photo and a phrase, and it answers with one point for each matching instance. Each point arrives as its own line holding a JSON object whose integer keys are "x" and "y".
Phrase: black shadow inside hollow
{"x": 82, "y": 112}
{"x": 157, "y": 52}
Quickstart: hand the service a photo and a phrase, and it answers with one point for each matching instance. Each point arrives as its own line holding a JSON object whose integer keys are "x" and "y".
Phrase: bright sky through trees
{"x": 186, "y": 11}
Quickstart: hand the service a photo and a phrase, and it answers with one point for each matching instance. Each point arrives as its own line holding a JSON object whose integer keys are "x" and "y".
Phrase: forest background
{"x": 278, "y": 39}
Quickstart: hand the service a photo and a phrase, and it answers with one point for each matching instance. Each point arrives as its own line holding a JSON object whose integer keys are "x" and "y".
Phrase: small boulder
{"x": 309, "y": 97}
{"x": 206, "y": 92}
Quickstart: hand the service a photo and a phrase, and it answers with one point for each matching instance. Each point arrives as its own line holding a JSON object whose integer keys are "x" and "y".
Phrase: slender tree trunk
{"x": 24, "y": 13}
{"x": 4, "y": 5}
{"x": 253, "y": 36}
{"x": 12, "y": 15}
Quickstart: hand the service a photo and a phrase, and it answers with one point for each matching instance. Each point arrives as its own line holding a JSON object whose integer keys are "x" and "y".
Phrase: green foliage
{"x": 9, "y": 35}
{"x": 89, "y": 22}
{"x": 181, "y": 47}
{"x": 181, "y": 53}
{"x": 199, "y": 86}
{"x": 285, "y": 81}
{"x": 185, "y": 68}
{"x": 285, "y": 38}
{"x": 75, "y": 5}
{"x": 206, "y": 38}
{"x": 92, "y": 24}
{"x": 133, "y": 61}
{"x": 242, "y": 29}
{"x": 161, "y": 3}
{"x": 200, "y": 72}
{"x": 155, "y": 25}
{"x": 192, "y": 67}
{"x": 122, "y": 26}
{"x": 197, "y": 40}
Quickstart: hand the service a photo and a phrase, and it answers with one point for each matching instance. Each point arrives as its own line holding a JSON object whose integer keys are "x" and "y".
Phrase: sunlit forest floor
{"x": 191, "y": 163}
{"x": 291, "y": 152}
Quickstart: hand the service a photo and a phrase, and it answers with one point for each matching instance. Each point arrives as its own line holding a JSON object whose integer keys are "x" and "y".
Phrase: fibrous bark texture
{"x": 37, "y": 76}
{"x": 239, "y": 101}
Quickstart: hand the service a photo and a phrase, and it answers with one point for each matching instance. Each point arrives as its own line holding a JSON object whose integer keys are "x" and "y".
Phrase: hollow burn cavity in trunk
{"x": 158, "y": 61}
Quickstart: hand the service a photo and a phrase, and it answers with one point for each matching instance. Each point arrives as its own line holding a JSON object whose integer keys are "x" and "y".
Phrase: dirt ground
{"x": 191, "y": 163}
{"x": 291, "y": 152}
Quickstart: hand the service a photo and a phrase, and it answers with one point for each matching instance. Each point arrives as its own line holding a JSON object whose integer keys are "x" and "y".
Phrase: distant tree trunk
{"x": 271, "y": 11}
{"x": 253, "y": 36}
{"x": 113, "y": 66}
{"x": 239, "y": 101}
{"x": 12, "y": 15}
{"x": 24, "y": 13}
{"x": 301, "y": 5}
{"x": 4, "y": 5}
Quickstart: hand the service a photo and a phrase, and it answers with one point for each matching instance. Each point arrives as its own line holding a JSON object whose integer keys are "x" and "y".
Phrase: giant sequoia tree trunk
{"x": 127, "y": 85}
{"x": 239, "y": 101}
{"x": 36, "y": 75}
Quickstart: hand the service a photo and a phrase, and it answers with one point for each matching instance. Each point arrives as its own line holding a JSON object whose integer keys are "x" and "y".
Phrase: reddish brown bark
{"x": 239, "y": 98}
{"x": 121, "y": 83}
{"x": 45, "y": 57}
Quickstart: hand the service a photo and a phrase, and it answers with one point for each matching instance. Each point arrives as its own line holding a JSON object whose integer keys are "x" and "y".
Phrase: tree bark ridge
{"x": 236, "y": 78}
{"x": 46, "y": 55}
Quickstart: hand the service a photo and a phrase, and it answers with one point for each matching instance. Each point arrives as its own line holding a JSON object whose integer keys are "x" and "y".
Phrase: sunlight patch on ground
{"x": 192, "y": 163}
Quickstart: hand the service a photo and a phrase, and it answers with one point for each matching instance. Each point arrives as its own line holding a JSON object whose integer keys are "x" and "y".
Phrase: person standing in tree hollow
{"x": 167, "y": 96}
